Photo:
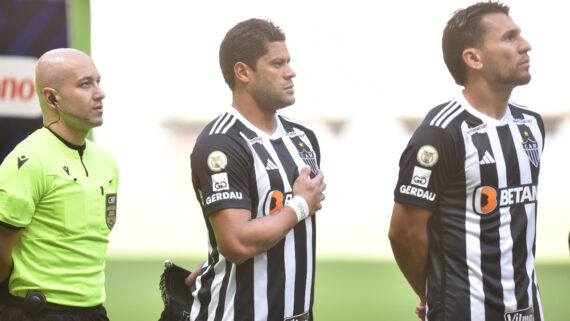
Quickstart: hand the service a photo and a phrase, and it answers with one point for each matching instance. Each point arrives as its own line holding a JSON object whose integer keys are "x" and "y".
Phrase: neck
{"x": 489, "y": 100}
{"x": 262, "y": 118}
{"x": 74, "y": 137}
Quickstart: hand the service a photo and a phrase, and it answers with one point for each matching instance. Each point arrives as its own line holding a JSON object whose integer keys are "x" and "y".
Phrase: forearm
{"x": 8, "y": 238}
{"x": 5, "y": 267}
{"x": 412, "y": 260}
{"x": 250, "y": 237}
{"x": 264, "y": 232}
{"x": 409, "y": 239}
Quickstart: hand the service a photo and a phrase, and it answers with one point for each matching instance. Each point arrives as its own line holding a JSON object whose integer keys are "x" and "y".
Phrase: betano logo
{"x": 487, "y": 199}
{"x": 274, "y": 201}
{"x": 12, "y": 88}
{"x": 17, "y": 92}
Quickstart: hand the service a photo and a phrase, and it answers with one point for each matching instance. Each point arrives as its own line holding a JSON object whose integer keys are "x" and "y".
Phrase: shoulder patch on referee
{"x": 111, "y": 209}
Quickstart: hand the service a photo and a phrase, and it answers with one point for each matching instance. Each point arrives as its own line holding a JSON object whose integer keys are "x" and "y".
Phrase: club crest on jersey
{"x": 111, "y": 210}
{"x": 530, "y": 147}
{"x": 427, "y": 156}
{"x": 308, "y": 157}
{"x": 217, "y": 161}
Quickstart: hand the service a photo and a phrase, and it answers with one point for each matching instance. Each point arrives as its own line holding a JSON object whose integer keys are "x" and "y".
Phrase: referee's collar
{"x": 68, "y": 144}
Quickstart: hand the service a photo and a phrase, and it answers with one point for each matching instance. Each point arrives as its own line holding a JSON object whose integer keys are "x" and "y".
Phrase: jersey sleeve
{"x": 425, "y": 166}
{"x": 21, "y": 186}
{"x": 221, "y": 173}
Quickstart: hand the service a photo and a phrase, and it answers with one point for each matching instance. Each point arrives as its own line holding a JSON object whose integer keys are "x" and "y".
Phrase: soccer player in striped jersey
{"x": 464, "y": 221}
{"x": 256, "y": 175}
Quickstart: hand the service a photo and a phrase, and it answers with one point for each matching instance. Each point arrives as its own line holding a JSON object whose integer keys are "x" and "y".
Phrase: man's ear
{"x": 242, "y": 72}
{"x": 50, "y": 96}
{"x": 472, "y": 58}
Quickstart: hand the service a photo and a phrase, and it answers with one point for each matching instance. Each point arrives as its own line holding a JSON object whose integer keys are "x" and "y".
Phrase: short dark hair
{"x": 465, "y": 30}
{"x": 246, "y": 42}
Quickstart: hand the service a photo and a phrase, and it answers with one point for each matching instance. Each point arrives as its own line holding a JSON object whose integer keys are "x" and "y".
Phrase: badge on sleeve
{"x": 217, "y": 161}
{"x": 427, "y": 156}
{"x": 111, "y": 210}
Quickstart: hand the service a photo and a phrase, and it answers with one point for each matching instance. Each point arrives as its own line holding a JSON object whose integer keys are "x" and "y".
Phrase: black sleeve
{"x": 10, "y": 226}
{"x": 425, "y": 165}
{"x": 221, "y": 170}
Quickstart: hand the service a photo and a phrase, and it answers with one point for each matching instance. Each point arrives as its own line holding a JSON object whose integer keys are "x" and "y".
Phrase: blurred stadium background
{"x": 367, "y": 72}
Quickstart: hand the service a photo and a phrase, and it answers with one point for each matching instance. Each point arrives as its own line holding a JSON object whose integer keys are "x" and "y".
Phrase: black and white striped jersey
{"x": 235, "y": 165}
{"x": 479, "y": 176}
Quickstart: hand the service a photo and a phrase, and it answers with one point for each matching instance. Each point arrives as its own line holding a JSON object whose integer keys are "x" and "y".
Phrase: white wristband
{"x": 300, "y": 206}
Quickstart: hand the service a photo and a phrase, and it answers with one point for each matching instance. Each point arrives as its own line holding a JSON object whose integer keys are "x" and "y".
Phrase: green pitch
{"x": 344, "y": 290}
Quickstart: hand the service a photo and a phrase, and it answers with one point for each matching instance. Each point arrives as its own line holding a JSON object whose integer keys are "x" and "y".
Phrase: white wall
{"x": 355, "y": 61}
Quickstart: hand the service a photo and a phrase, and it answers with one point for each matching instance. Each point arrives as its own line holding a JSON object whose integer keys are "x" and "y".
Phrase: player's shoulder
{"x": 441, "y": 125}
{"x": 223, "y": 125}
{"x": 222, "y": 133}
{"x": 519, "y": 109}
{"x": 442, "y": 114}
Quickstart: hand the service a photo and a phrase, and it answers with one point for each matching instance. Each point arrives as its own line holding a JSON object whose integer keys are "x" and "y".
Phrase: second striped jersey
{"x": 479, "y": 176}
{"x": 235, "y": 165}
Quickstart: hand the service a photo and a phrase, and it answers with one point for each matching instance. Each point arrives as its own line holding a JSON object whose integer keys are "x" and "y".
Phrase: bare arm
{"x": 239, "y": 237}
{"x": 409, "y": 240}
{"x": 8, "y": 238}
{"x": 191, "y": 278}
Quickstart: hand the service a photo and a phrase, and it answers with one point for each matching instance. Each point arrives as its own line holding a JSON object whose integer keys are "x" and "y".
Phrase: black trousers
{"x": 15, "y": 311}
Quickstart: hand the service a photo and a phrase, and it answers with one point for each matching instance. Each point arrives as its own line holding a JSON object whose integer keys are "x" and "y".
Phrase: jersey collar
{"x": 80, "y": 149}
{"x": 279, "y": 131}
{"x": 485, "y": 118}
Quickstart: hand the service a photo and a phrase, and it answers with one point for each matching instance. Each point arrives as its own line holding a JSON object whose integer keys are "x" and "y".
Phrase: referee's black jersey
{"x": 479, "y": 176}
{"x": 235, "y": 165}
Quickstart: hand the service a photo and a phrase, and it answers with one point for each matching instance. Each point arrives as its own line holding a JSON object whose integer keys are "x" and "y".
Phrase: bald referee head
{"x": 67, "y": 84}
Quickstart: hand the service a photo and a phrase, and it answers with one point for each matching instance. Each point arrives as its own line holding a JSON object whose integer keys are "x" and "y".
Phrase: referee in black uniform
{"x": 257, "y": 178}
{"x": 463, "y": 225}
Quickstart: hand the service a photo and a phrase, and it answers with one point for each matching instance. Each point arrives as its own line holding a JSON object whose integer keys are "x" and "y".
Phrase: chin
{"x": 524, "y": 80}
{"x": 284, "y": 103}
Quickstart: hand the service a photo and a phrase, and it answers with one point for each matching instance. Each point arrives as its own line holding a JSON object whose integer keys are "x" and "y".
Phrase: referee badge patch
{"x": 427, "y": 156}
{"x": 111, "y": 210}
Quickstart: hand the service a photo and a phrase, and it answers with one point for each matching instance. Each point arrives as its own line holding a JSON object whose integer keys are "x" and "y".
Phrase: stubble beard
{"x": 515, "y": 81}
{"x": 269, "y": 98}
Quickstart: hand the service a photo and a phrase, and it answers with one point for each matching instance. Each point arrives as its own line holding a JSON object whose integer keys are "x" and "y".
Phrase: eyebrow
{"x": 88, "y": 78}
{"x": 280, "y": 59}
{"x": 513, "y": 31}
